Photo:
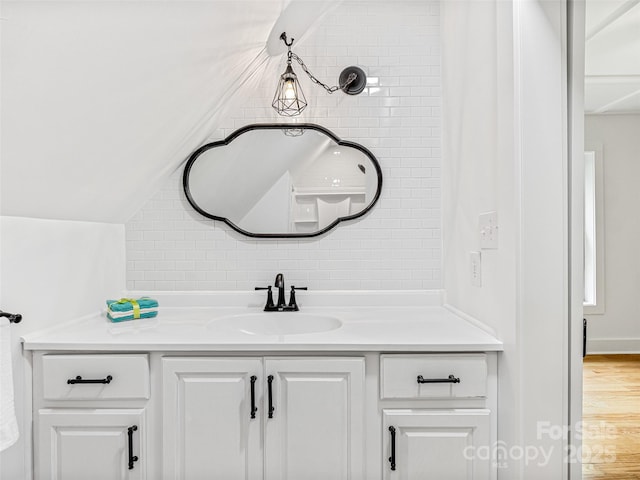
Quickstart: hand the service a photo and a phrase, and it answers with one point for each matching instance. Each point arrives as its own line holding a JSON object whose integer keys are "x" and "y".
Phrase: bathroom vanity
{"x": 363, "y": 393}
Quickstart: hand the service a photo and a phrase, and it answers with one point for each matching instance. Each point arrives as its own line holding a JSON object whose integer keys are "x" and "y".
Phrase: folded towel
{"x": 8, "y": 423}
{"x": 126, "y": 304}
{"x": 142, "y": 312}
{"x": 131, "y": 317}
{"x": 131, "y": 309}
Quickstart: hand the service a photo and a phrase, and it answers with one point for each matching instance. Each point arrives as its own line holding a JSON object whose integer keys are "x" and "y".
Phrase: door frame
{"x": 575, "y": 97}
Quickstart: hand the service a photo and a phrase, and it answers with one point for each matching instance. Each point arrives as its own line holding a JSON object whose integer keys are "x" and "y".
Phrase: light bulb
{"x": 289, "y": 89}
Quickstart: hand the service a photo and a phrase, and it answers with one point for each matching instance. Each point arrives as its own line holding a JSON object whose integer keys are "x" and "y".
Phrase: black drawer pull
{"x": 254, "y": 409}
{"x": 132, "y": 458}
{"x": 450, "y": 379}
{"x": 392, "y": 458}
{"x": 270, "y": 384}
{"x": 79, "y": 379}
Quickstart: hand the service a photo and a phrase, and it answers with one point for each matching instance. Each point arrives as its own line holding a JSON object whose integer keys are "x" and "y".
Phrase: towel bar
{"x": 13, "y": 317}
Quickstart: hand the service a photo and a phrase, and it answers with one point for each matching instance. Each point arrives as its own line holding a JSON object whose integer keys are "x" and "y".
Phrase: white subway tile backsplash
{"x": 395, "y": 246}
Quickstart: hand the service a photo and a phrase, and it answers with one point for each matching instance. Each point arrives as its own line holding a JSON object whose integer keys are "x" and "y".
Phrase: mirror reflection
{"x": 276, "y": 180}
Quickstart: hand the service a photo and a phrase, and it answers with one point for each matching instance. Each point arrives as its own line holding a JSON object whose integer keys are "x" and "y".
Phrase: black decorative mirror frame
{"x": 205, "y": 184}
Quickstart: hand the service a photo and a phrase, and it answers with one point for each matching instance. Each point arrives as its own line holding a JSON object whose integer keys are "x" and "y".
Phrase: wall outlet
{"x": 476, "y": 269}
{"x": 488, "y": 230}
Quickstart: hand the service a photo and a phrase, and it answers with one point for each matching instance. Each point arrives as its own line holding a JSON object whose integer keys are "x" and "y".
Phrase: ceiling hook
{"x": 283, "y": 37}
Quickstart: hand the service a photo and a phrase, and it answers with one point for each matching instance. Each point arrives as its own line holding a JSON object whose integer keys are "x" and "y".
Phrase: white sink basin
{"x": 277, "y": 323}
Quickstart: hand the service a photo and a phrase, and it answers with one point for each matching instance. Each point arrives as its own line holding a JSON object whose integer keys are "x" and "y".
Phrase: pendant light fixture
{"x": 289, "y": 99}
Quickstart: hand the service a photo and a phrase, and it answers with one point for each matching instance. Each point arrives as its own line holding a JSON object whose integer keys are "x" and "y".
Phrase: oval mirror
{"x": 275, "y": 180}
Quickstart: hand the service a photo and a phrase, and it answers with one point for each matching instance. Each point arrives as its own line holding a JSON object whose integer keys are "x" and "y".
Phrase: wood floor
{"x": 611, "y": 417}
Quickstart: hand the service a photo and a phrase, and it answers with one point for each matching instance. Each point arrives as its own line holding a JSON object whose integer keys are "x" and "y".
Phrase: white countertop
{"x": 413, "y": 328}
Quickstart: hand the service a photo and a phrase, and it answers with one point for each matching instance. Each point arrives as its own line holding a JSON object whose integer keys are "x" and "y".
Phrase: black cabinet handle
{"x": 392, "y": 458}
{"x": 450, "y": 379}
{"x": 79, "y": 379}
{"x": 270, "y": 389}
{"x": 254, "y": 409}
{"x": 132, "y": 458}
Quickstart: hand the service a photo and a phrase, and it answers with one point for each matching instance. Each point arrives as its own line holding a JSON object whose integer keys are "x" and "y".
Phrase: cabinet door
{"x": 437, "y": 444}
{"x": 208, "y": 431}
{"x": 83, "y": 444}
{"x": 317, "y": 427}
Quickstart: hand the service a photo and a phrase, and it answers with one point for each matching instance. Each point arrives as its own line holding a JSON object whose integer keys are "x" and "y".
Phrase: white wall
{"x": 478, "y": 176}
{"x": 398, "y": 244}
{"x": 478, "y": 171}
{"x": 52, "y": 271}
{"x": 117, "y": 96}
{"x": 542, "y": 256}
{"x": 618, "y": 329}
{"x": 504, "y": 135}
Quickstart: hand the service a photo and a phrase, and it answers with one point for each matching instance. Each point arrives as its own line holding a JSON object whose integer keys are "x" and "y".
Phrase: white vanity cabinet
{"x": 178, "y": 415}
{"x": 233, "y": 418}
{"x": 438, "y": 416}
{"x": 89, "y": 416}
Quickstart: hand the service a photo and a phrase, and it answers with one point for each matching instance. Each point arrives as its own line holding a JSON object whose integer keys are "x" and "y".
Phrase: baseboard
{"x": 613, "y": 345}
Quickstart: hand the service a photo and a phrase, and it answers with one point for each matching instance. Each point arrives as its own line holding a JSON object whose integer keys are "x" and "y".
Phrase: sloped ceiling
{"x": 102, "y": 100}
{"x": 612, "y": 56}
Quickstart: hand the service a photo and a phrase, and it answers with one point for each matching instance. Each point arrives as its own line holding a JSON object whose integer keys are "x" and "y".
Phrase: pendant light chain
{"x": 351, "y": 78}
{"x": 289, "y": 100}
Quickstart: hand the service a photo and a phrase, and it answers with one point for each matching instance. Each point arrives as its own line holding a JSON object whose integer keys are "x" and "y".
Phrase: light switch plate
{"x": 475, "y": 268}
{"x": 488, "y": 230}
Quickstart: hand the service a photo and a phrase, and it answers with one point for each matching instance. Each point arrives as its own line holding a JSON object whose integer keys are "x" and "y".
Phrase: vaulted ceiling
{"x": 102, "y": 101}
{"x": 612, "y": 56}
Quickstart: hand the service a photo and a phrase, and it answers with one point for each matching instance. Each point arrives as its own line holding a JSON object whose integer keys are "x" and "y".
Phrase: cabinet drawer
{"x": 102, "y": 377}
{"x": 442, "y": 376}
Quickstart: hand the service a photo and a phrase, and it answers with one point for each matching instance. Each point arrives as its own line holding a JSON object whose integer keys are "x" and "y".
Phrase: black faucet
{"x": 279, "y": 284}
{"x": 281, "y": 305}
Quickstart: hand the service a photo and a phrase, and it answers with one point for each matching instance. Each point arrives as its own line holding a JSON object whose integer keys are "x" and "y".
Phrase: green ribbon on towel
{"x": 134, "y": 303}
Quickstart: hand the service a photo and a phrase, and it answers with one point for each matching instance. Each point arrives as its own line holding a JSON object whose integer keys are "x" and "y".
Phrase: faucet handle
{"x": 269, "y": 304}
{"x": 292, "y": 297}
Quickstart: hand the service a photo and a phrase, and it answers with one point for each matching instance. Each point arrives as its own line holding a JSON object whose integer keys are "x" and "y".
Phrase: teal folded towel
{"x": 131, "y": 309}
{"x": 130, "y": 317}
{"x": 124, "y": 304}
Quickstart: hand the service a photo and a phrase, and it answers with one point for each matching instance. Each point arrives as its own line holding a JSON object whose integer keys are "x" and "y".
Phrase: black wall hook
{"x": 283, "y": 37}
